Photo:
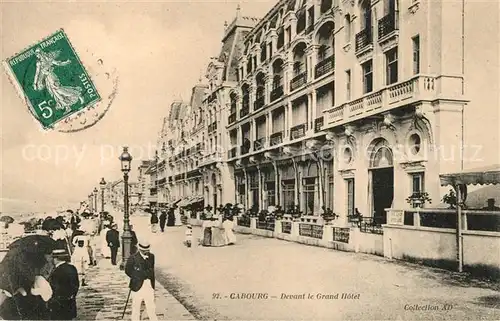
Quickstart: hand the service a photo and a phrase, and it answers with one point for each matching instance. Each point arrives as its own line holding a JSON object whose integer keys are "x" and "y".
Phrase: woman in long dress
{"x": 218, "y": 235}
{"x": 228, "y": 225}
{"x": 45, "y": 78}
{"x": 206, "y": 227}
{"x": 80, "y": 257}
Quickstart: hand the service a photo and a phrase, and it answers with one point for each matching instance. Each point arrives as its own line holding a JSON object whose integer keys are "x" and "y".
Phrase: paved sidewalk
{"x": 105, "y": 295}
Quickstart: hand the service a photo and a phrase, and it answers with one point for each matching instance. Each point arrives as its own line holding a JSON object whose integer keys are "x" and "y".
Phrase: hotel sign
{"x": 396, "y": 217}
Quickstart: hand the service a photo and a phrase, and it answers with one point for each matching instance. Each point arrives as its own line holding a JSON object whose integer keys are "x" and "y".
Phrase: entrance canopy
{"x": 482, "y": 176}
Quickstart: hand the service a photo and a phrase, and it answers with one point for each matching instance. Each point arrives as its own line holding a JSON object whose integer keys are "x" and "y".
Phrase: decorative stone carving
{"x": 389, "y": 42}
{"x": 413, "y": 165}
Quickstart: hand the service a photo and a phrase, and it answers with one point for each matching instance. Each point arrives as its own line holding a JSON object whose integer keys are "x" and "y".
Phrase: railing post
{"x": 253, "y": 223}
{"x": 416, "y": 218}
{"x": 465, "y": 225}
{"x": 295, "y": 229}
{"x": 277, "y": 227}
{"x": 327, "y": 233}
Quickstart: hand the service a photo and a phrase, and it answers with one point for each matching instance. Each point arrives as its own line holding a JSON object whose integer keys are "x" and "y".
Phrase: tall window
{"x": 309, "y": 193}
{"x": 254, "y": 188}
{"x": 416, "y": 55}
{"x": 348, "y": 84}
{"x": 347, "y": 26}
{"x": 417, "y": 182}
{"x": 240, "y": 181}
{"x": 367, "y": 76}
{"x": 270, "y": 187}
{"x": 288, "y": 193}
{"x": 350, "y": 196}
{"x": 391, "y": 60}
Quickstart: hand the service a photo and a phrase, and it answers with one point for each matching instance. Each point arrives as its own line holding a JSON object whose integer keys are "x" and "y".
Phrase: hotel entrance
{"x": 382, "y": 181}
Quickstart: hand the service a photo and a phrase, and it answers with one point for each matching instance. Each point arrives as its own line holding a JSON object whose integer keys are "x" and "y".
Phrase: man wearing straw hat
{"x": 65, "y": 284}
{"x": 140, "y": 268}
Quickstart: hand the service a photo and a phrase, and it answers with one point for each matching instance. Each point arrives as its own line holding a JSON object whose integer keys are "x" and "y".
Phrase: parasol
{"x": 7, "y": 219}
{"x": 24, "y": 261}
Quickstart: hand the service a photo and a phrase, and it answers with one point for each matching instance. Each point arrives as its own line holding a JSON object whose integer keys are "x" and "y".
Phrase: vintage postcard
{"x": 250, "y": 160}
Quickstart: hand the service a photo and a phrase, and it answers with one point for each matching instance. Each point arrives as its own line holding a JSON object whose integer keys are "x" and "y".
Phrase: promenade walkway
{"x": 106, "y": 293}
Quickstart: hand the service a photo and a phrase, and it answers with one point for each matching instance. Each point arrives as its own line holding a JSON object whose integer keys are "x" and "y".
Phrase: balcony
{"x": 179, "y": 177}
{"x": 298, "y": 81}
{"x": 364, "y": 41}
{"x": 259, "y": 144}
{"x": 387, "y": 27}
{"x": 259, "y": 103}
{"x": 318, "y": 123}
{"x": 277, "y": 93}
{"x": 194, "y": 173}
{"x": 233, "y": 152}
{"x": 324, "y": 67}
{"x": 162, "y": 181}
{"x": 153, "y": 191}
{"x": 276, "y": 138}
{"x": 232, "y": 118}
{"x": 245, "y": 149}
{"x": 418, "y": 88}
{"x": 298, "y": 131}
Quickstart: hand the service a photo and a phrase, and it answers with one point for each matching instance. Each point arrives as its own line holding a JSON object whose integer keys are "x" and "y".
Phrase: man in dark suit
{"x": 163, "y": 220}
{"x": 65, "y": 285}
{"x": 140, "y": 268}
{"x": 113, "y": 239}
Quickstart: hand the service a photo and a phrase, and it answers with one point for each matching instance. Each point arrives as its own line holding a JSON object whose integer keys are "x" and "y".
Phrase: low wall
{"x": 369, "y": 243}
{"x": 437, "y": 247}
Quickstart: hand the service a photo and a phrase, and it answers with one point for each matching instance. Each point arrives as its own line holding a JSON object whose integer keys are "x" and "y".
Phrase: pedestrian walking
{"x": 171, "y": 217}
{"x": 65, "y": 284}
{"x": 80, "y": 257}
{"x": 163, "y": 220}
{"x": 113, "y": 239}
{"x": 154, "y": 222}
{"x": 140, "y": 268}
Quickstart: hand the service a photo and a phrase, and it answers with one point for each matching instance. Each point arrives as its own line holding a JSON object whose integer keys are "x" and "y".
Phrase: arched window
{"x": 382, "y": 157}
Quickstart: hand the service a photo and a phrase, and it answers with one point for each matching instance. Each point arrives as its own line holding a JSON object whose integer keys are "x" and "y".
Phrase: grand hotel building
{"x": 345, "y": 104}
{"x": 352, "y": 104}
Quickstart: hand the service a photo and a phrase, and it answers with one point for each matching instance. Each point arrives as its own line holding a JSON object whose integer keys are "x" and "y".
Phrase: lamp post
{"x": 95, "y": 199}
{"x": 103, "y": 185}
{"x": 125, "y": 159}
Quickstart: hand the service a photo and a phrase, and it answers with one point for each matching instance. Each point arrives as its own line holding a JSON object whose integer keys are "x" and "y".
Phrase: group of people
{"x": 217, "y": 229}
{"x": 167, "y": 218}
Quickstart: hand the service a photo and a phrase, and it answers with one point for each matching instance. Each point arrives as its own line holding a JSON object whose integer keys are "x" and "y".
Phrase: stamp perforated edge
{"x": 15, "y": 82}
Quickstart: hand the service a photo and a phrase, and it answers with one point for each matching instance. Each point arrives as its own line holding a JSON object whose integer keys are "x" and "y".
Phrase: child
{"x": 189, "y": 236}
{"x": 80, "y": 257}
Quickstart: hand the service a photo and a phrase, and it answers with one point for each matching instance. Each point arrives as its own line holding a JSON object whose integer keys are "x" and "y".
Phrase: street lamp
{"x": 125, "y": 159}
{"x": 95, "y": 199}
{"x": 103, "y": 185}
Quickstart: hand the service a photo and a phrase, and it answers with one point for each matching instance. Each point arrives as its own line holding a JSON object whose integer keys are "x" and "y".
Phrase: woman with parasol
{"x": 24, "y": 290}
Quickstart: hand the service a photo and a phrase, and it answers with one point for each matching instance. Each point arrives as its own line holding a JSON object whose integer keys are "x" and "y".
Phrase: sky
{"x": 158, "y": 49}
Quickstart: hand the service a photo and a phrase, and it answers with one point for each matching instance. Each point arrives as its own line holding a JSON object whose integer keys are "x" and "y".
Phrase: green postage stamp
{"x": 52, "y": 79}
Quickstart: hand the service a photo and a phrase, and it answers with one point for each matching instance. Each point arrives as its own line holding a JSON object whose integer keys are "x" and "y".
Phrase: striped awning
{"x": 480, "y": 176}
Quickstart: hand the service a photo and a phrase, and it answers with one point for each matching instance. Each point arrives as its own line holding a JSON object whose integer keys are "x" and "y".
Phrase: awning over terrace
{"x": 482, "y": 176}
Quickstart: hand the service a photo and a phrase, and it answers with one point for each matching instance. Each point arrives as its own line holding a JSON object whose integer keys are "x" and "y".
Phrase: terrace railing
{"x": 311, "y": 230}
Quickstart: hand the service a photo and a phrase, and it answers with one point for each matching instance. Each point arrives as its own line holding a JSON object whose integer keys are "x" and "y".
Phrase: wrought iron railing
{"x": 386, "y": 25}
{"x": 259, "y": 143}
{"x": 370, "y": 225}
{"x": 298, "y": 131}
{"x": 276, "y": 138}
{"x": 341, "y": 234}
{"x": 324, "y": 66}
{"x": 259, "y": 103}
{"x": 318, "y": 123}
{"x": 232, "y": 118}
{"x": 265, "y": 225}
{"x": 243, "y": 221}
{"x": 363, "y": 39}
{"x": 286, "y": 227}
{"x": 311, "y": 230}
{"x": 298, "y": 81}
{"x": 277, "y": 93}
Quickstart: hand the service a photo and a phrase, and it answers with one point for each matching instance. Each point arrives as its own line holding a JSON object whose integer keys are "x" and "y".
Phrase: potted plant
{"x": 263, "y": 214}
{"x": 418, "y": 199}
{"x": 253, "y": 211}
{"x": 328, "y": 215}
{"x": 450, "y": 199}
{"x": 295, "y": 212}
{"x": 278, "y": 212}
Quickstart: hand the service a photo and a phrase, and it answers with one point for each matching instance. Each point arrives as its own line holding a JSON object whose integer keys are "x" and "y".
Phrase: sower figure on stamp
{"x": 65, "y": 284}
{"x": 140, "y": 268}
{"x": 113, "y": 239}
